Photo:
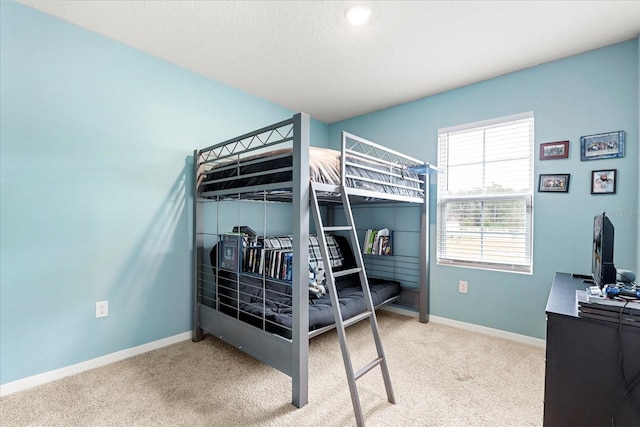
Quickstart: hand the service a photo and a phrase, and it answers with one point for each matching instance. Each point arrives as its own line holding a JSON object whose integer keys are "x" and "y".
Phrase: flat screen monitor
{"x": 602, "y": 267}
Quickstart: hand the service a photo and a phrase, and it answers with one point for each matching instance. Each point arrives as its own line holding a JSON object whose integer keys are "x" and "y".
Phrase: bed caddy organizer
{"x": 253, "y": 175}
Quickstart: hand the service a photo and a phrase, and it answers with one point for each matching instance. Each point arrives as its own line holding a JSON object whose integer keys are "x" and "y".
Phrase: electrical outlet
{"x": 462, "y": 286}
{"x": 102, "y": 309}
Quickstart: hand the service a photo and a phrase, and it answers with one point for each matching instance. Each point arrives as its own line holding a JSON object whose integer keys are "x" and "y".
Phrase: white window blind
{"x": 485, "y": 194}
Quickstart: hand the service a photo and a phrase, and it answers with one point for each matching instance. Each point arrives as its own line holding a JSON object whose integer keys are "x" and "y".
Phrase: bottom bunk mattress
{"x": 267, "y": 304}
{"x": 272, "y": 310}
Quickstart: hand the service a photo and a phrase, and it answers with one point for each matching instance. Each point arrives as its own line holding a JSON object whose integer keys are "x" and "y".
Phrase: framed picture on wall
{"x": 554, "y": 150}
{"x": 557, "y": 183}
{"x": 604, "y": 181}
{"x": 602, "y": 146}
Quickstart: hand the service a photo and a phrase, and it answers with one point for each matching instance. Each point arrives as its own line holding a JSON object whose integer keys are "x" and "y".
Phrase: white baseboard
{"x": 524, "y": 339}
{"x": 47, "y": 377}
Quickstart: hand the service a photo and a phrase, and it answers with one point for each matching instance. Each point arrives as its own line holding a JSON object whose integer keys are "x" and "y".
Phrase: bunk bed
{"x": 271, "y": 316}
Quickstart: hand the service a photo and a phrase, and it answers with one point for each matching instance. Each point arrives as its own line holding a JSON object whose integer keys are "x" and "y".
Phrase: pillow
{"x": 315, "y": 256}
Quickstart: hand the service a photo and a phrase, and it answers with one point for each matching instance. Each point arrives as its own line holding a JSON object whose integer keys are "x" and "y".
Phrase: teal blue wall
{"x": 96, "y": 150}
{"x": 585, "y": 94}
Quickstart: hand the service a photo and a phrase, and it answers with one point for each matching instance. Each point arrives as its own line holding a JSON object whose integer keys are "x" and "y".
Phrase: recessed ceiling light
{"x": 357, "y": 14}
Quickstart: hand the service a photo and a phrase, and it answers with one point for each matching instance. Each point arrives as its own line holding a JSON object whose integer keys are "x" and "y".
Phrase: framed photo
{"x": 554, "y": 150}
{"x": 604, "y": 181}
{"x": 558, "y": 183}
{"x": 602, "y": 146}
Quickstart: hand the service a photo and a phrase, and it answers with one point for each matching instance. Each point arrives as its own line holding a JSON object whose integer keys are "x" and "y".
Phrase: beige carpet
{"x": 441, "y": 376}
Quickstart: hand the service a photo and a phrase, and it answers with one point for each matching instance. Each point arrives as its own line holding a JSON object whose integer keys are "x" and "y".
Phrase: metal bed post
{"x": 425, "y": 257}
{"x": 300, "y": 332}
{"x": 198, "y": 250}
{"x": 424, "y": 254}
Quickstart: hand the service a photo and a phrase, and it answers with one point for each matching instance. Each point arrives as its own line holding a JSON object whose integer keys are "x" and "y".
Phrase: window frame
{"x": 444, "y": 200}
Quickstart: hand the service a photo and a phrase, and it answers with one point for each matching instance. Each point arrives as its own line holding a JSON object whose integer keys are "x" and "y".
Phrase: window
{"x": 485, "y": 194}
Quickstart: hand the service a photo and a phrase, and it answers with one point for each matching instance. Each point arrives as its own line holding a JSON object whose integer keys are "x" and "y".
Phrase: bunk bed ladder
{"x": 341, "y": 324}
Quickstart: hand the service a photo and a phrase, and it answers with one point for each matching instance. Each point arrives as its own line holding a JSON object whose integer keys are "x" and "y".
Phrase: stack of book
{"x": 275, "y": 263}
{"x": 378, "y": 242}
{"x": 234, "y": 247}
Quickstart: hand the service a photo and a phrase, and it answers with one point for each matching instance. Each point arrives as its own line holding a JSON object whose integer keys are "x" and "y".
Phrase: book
{"x": 231, "y": 252}
{"x": 260, "y": 261}
{"x": 277, "y": 262}
{"x": 386, "y": 246}
{"x": 369, "y": 241}
{"x": 378, "y": 242}
{"x": 288, "y": 261}
{"x": 283, "y": 268}
{"x": 377, "y": 248}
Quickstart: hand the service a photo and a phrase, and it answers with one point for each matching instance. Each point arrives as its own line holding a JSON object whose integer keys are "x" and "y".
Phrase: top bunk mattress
{"x": 246, "y": 173}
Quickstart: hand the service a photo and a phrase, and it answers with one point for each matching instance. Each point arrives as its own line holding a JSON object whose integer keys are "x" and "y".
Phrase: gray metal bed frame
{"x": 290, "y": 356}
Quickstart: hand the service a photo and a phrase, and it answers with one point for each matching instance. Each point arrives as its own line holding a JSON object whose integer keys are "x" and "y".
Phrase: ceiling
{"x": 302, "y": 54}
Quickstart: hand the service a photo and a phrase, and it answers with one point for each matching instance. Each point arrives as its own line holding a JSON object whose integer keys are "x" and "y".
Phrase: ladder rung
{"x": 329, "y": 188}
{"x": 356, "y": 318}
{"x": 339, "y": 228}
{"x": 346, "y": 272}
{"x": 367, "y": 368}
